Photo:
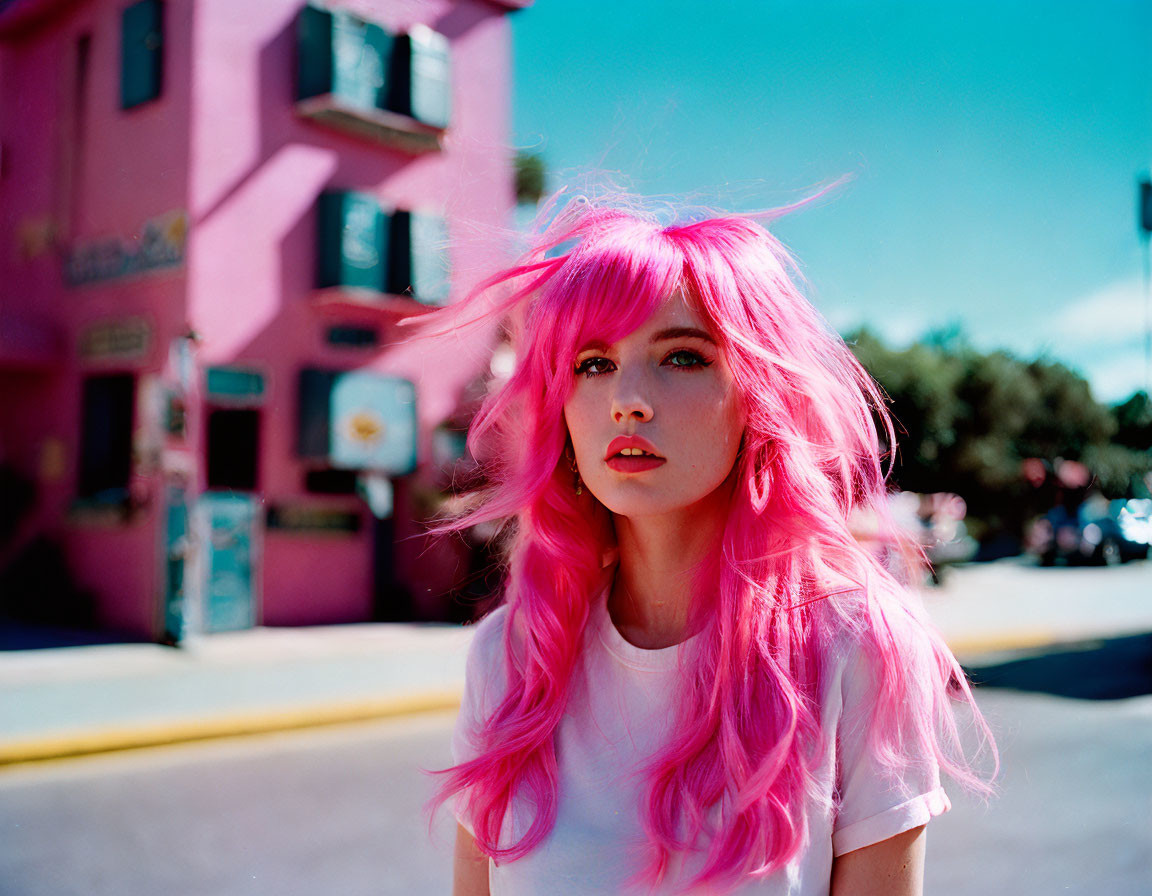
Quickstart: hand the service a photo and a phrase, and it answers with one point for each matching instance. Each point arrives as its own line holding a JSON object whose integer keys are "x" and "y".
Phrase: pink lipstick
{"x": 632, "y": 454}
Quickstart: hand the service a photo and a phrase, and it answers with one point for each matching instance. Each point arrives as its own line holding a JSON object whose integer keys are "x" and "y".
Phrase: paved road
{"x": 327, "y": 811}
{"x": 1012, "y": 603}
{"x": 338, "y": 811}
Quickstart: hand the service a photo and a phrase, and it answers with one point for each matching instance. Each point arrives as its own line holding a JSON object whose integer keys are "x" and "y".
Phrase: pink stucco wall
{"x": 224, "y": 145}
{"x": 257, "y": 169}
{"x": 66, "y": 185}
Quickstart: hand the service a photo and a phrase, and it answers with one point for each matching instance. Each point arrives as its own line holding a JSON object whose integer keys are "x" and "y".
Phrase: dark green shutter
{"x": 315, "y": 410}
{"x": 141, "y": 53}
{"x": 352, "y": 242}
{"x": 344, "y": 55}
{"x": 313, "y": 52}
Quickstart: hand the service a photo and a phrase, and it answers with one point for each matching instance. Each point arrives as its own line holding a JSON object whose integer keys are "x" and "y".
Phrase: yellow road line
{"x": 1019, "y": 640}
{"x": 130, "y": 737}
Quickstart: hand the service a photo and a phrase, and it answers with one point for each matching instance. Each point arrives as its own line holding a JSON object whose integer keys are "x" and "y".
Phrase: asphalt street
{"x": 340, "y": 810}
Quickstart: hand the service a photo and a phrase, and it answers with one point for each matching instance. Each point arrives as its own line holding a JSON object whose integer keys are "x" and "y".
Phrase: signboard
{"x": 234, "y": 384}
{"x": 373, "y": 423}
{"x": 123, "y": 339}
{"x": 358, "y": 420}
{"x": 159, "y": 245}
{"x": 312, "y": 518}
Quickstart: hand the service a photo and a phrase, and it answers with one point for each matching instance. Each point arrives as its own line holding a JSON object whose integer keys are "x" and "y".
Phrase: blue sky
{"x": 994, "y": 149}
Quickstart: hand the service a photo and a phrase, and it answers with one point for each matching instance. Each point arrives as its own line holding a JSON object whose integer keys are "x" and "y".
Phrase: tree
{"x": 1134, "y": 422}
{"x": 968, "y": 421}
{"x": 530, "y": 177}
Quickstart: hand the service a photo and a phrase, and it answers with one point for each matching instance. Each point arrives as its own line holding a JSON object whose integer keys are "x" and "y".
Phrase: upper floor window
{"x": 141, "y": 52}
{"x": 360, "y": 246}
{"x": 357, "y": 76}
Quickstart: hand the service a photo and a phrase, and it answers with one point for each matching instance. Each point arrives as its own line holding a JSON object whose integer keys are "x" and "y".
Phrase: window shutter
{"x": 313, "y": 52}
{"x": 141, "y": 53}
{"x": 430, "y": 271}
{"x": 344, "y": 55}
{"x": 418, "y": 261}
{"x": 422, "y": 77}
{"x": 352, "y": 242}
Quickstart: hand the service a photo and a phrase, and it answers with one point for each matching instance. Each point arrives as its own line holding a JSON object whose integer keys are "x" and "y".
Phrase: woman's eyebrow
{"x": 661, "y": 336}
{"x": 595, "y": 344}
{"x": 681, "y": 333}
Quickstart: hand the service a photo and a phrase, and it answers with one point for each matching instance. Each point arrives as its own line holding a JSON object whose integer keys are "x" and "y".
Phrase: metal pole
{"x": 1147, "y": 314}
{"x": 1145, "y": 220}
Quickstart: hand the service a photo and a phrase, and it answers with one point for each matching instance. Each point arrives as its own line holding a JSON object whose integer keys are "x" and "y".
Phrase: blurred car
{"x": 1099, "y": 531}
{"x": 936, "y": 522}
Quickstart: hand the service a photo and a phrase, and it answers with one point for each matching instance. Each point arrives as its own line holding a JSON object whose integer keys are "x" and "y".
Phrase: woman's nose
{"x": 630, "y": 402}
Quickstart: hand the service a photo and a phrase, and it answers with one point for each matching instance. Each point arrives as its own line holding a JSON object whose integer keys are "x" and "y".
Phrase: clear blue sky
{"x": 994, "y": 149}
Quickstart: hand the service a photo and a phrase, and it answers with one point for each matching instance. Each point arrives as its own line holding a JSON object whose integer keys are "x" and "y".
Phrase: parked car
{"x": 1098, "y": 531}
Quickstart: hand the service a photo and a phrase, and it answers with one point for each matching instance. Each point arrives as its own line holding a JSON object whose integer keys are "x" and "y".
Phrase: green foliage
{"x": 966, "y": 421}
{"x": 1134, "y": 422}
{"x": 530, "y": 177}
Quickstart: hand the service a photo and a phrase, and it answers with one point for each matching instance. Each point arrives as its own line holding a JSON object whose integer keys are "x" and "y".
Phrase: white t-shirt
{"x": 619, "y": 715}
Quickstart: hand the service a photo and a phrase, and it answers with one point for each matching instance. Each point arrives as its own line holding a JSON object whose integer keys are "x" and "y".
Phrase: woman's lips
{"x": 633, "y": 464}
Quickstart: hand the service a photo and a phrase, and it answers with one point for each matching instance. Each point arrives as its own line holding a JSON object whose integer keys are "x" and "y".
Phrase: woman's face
{"x": 667, "y": 385}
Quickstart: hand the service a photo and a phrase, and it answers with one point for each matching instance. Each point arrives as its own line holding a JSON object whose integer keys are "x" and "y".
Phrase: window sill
{"x": 378, "y": 125}
{"x": 111, "y": 509}
{"x": 340, "y": 299}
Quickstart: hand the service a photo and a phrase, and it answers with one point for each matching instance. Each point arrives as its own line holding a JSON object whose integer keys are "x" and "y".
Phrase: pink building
{"x": 212, "y": 215}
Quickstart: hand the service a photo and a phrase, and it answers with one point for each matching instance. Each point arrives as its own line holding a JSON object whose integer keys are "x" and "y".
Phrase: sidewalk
{"x": 69, "y": 701}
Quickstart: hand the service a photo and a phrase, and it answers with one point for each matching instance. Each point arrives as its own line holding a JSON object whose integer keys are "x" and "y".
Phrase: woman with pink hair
{"x": 697, "y": 680}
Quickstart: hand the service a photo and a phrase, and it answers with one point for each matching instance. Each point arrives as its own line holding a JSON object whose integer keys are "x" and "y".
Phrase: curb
{"x": 1035, "y": 639}
{"x": 130, "y": 737}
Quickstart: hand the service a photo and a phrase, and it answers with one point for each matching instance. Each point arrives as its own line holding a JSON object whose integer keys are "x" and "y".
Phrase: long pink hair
{"x": 740, "y": 765}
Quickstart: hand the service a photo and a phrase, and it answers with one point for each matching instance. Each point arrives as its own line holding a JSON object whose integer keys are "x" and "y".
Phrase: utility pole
{"x": 1145, "y": 215}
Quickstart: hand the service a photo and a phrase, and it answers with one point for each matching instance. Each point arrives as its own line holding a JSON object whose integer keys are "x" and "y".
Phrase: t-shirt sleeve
{"x": 878, "y": 800}
{"x": 483, "y": 687}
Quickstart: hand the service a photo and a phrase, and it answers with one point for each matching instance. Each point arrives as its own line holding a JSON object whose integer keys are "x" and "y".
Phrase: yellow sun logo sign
{"x": 365, "y": 426}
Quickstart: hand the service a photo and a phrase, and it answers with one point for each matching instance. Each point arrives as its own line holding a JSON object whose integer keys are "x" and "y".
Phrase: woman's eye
{"x": 686, "y": 359}
{"x": 590, "y": 367}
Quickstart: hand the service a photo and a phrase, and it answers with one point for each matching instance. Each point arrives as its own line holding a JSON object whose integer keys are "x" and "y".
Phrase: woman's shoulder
{"x": 485, "y": 679}
{"x": 488, "y": 636}
{"x": 876, "y": 621}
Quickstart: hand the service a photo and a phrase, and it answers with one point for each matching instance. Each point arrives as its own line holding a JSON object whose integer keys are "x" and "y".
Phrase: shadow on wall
{"x": 1104, "y": 669}
{"x": 37, "y": 591}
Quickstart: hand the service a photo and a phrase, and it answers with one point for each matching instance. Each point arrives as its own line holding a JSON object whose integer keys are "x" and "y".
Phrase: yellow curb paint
{"x": 134, "y": 737}
{"x": 1025, "y": 640}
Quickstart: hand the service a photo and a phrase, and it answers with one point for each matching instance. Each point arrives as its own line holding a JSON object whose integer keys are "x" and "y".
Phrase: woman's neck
{"x": 651, "y": 602}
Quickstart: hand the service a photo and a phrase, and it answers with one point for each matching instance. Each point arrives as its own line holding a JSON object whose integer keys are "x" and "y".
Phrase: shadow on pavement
{"x": 19, "y": 635}
{"x": 1104, "y": 669}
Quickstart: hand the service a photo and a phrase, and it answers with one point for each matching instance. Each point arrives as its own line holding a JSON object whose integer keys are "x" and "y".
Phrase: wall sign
{"x": 358, "y": 420}
{"x": 123, "y": 339}
{"x": 159, "y": 245}
{"x": 311, "y": 518}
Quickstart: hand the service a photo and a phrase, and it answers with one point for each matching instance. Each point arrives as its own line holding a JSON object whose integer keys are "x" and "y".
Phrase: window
{"x": 343, "y": 55}
{"x": 233, "y": 448}
{"x": 422, "y": 77}
{"x": 107, "y": 404}
{"x": 141, "y": 53}
{"x": 418, "y": 257}
{"x": 349, "y": 336}
{"x": 354, "y": 75}
{"x": 359, "y": 246}
{"x": 351, "y": 242}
